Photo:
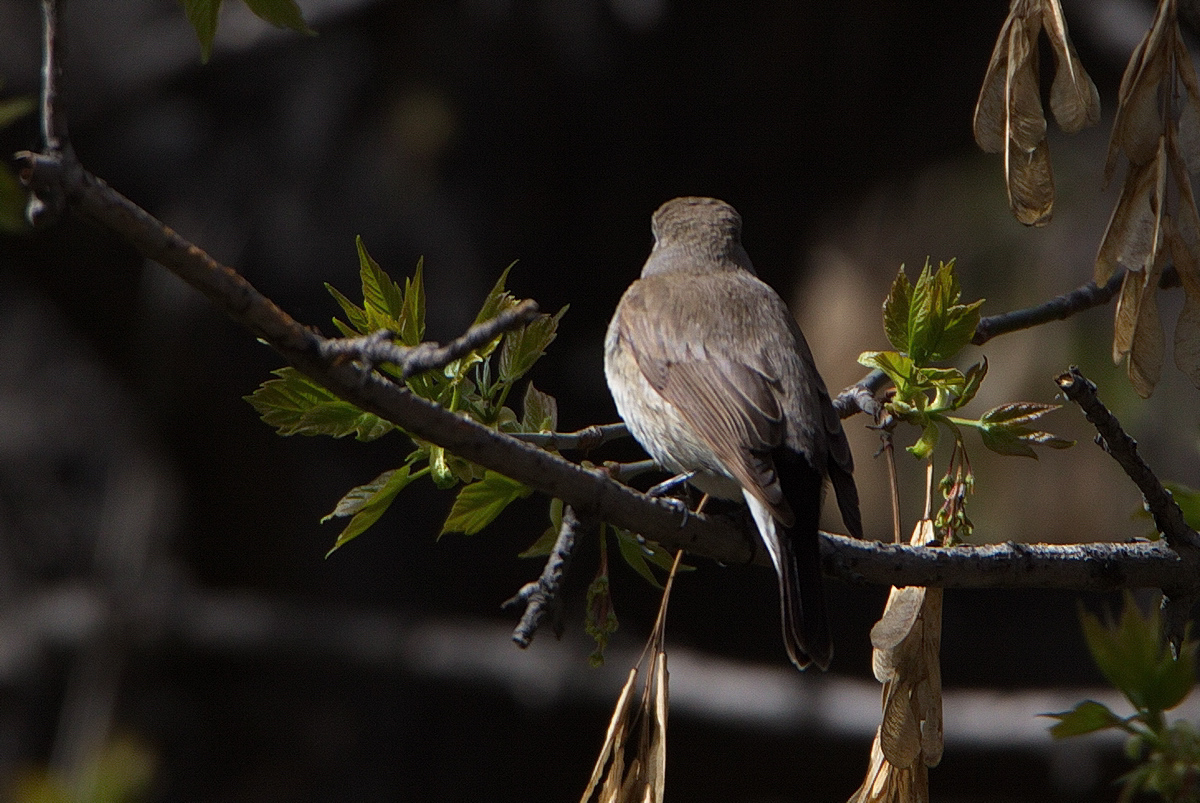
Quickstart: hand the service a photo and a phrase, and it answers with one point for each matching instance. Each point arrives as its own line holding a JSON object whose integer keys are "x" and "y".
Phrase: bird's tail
{"x": 796, "y": 553}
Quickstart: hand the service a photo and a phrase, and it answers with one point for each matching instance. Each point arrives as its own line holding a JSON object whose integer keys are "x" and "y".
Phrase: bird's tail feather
{"x": 796, "y": 554}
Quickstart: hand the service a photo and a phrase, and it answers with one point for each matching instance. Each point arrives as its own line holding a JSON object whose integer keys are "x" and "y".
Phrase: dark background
{"x": 161, "y": 570}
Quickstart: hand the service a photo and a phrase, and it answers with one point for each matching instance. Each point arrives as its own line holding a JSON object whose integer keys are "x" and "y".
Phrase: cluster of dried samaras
{"x": 1157, "y": 127}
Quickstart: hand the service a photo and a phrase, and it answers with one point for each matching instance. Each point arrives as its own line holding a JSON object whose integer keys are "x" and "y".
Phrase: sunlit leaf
{"x": 366, "y": 503}
{"x": 296, "y": 405}
{"x": 524, "y": 346}
{"x": 540, "y": 411}
{"x": 896, "y": 309}
{"x": 479, "y": 503}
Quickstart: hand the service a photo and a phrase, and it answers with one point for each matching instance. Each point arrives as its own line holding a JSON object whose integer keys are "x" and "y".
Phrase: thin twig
{"x": 54, "y": 126}
{"x": 1168, "y": 518}
{"x": 378, "y": 347}
{"x": 542, "y": 595}
{"x": 584, "y": 440}
{"x": 1056, "y": 309}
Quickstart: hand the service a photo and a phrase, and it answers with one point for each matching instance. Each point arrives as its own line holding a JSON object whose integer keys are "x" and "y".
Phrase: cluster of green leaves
{"x": 477, "y": 385}
{"x": 203, "y": 16}
{"x": 926, "y": 324}
{"x": 1134, "y": 659}
{"x": 12, "y": 195}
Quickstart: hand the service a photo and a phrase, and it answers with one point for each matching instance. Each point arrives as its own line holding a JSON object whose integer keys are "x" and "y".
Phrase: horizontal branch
{"x": 584, "y": 440}
{"x": 1078, "y": 567}
{"x": 590, "y": 492}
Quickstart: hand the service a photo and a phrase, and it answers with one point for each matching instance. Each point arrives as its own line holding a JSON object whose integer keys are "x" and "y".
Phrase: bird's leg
{"x": 665, "y": 487}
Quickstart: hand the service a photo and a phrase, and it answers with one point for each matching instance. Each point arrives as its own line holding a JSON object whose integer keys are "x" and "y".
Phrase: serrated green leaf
{"x": 541, "y": 411}
{"x": 896, "y": 308}
{"x": 635, "y": 554}
{"x": 13, "y": 109}
{"x": 525, "y": 346}
{"x": 920, "y": 310}
{"x": 296, "y": 405}
{"x": 412, "y": 320}
{"x": 1007, "y": 441}
{"x": 498, "y": 299}
{"x": 479, "y": 503}
{"x": 366, "y": 503}
{"x": 355, "y": 315}
{"x": 937, "y": 325}
{"x": 1017, "y": 413}
{"x": 1188, "y": 500}
{"x": 1087, "y": 717}
{"x": 545, "y": 543}
{"x": 383, "y": 299}
{"x": 898, "y": 367}
{"x": 957, "y": 328}
{"x": 925, "y": 445}
{"x": 202, "y": 14}
{"x": 281, "y": 13}
{"x": 1132, "y": 655}
{"x": 974, "y": 376}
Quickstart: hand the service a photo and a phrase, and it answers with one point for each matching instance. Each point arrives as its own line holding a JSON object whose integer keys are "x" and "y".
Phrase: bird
{"x": 713, "y": 377}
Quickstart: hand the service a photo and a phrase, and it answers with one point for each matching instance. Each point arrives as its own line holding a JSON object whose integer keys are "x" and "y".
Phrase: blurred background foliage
{"x": 161, "y": 560}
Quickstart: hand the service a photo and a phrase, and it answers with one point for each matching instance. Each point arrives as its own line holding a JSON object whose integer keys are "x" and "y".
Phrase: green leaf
{"x": 936, "y": 325}
{"x": 1188, "y": 500}
{"x": 412, "y": 317}
{"x": 898, "y": 367}
{"x": 896, "y": 309}
{"x": 541, "y": 411}
{"x": 925, "y": 445}
{"x": 383, "y": 299}
{"x": 1006, "y": 441}
{"x": 1018, "y": 413}
{"x": 526, "y": 345}
{"x": 1132, "y": 655}
{"x": 1087, "y": 717}
{"x": 479, "y": 503}
{"x": 497, "y": 301}
{"x": 974, "y": 377}
{"x": 296, "y": 405}
{"x": 356, "y": 316}
{"x": 281, "y": 13}
{"x": 202, "y": 14}
{"x": 635, "y": 554}
{"x": 545, "y": 543}
{"x": 366, "y": 503}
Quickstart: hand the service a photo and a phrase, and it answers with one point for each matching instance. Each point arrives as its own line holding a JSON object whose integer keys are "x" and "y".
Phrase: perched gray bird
{"x": 712, "y": 375}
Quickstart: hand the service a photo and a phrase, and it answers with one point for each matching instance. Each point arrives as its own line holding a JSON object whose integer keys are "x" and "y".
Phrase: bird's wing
{"x": 733, "y": 408}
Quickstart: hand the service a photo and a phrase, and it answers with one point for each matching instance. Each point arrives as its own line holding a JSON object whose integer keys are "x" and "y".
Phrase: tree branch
{"x": 1168, "y": 518}
{"x": 377, "y": 347}
{"x": 57, "y": 173}
{"x": 584, "y": 440}
{"x": 541, "y": 596}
